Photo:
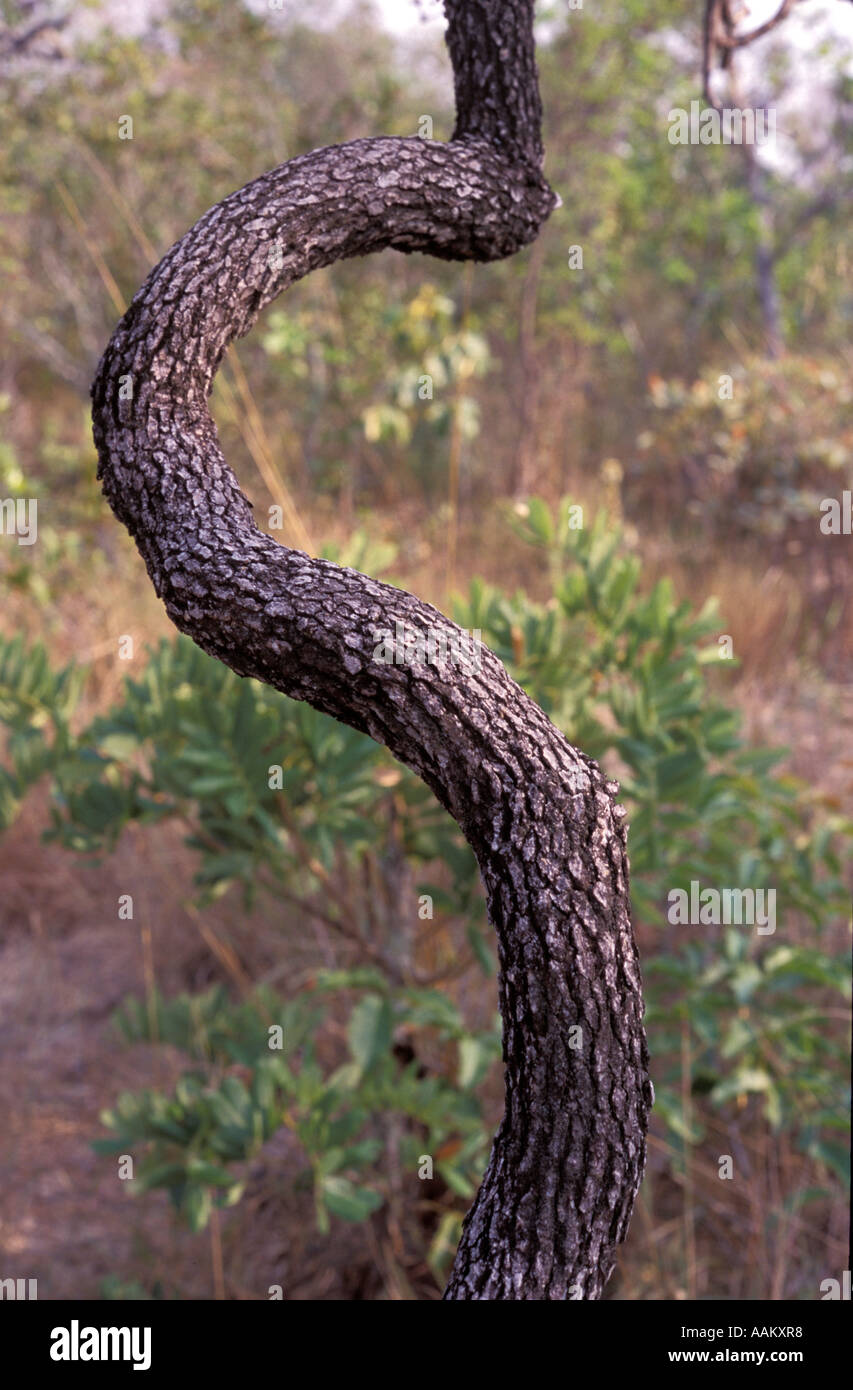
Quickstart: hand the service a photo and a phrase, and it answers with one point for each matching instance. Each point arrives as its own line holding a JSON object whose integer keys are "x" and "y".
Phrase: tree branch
{"x": 720, "y": 37}
{"x": 12, "y": 42}
{"x": 568, "y": 1157}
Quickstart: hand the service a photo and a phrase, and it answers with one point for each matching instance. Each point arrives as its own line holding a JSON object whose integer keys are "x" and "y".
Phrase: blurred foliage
{"x": 65, "y": 503}
{"x": 669, "y": 239}
{"x": 753, "y": 453}
{"x": 36, "y": 704}
{"x": 410, "y": 358}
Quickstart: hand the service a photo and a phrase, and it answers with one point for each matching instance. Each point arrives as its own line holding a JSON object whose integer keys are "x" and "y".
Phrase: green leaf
{"x": 369, "y": 1031}
{"x": 197, "y": 1206}
{"x": 539, "y": 520}
{"x": 348, "y": 1201}
{"x": 476, "y": 1055}
{"x": 199, "y": 1171}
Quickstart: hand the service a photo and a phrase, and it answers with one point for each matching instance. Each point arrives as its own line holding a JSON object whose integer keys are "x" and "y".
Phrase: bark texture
{"x": 550, "y": 840}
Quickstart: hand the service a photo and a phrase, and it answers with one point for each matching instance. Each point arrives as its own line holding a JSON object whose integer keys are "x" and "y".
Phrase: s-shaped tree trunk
{"x": 550, "y": 841}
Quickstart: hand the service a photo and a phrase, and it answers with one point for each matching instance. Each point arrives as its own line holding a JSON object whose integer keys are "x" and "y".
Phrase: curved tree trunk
{"x": 568, "y": 1158}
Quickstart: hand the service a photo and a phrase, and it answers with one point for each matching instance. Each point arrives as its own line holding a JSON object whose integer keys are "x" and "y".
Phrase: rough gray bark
{"x": 568, "y": 1157}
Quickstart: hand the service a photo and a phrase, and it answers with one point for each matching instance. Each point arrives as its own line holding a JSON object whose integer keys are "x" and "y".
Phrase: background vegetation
{"x": 285, "y": 873}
